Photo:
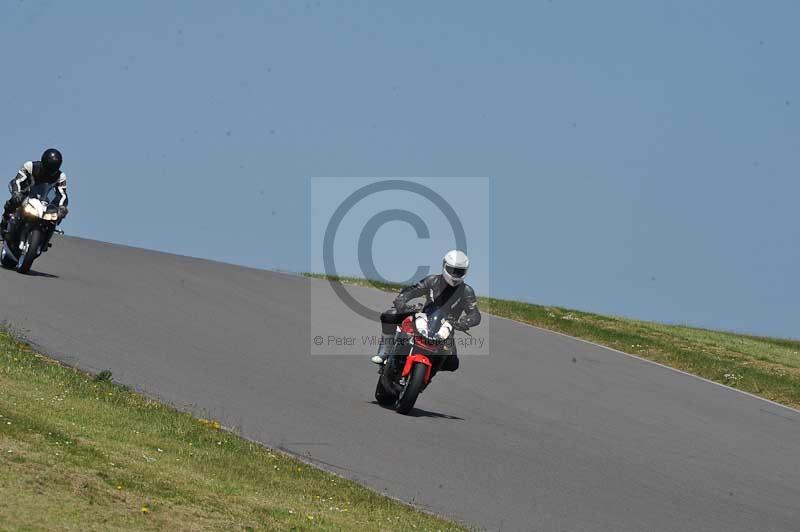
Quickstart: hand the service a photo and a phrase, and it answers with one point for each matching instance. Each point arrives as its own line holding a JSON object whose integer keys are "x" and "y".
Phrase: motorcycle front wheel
{"x": 415, "y": 383}
{"x": 35, "y": 239}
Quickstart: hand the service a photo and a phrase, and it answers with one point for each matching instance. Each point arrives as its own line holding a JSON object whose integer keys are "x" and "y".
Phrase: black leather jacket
{"x": 463, "y": 312}
{"x": 32, "y": 173}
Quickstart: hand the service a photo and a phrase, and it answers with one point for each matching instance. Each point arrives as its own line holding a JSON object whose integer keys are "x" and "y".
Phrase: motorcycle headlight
{"x": 421, "y": 323}
{"x": 50, "y": 216}
{"x": 30, "y": 210}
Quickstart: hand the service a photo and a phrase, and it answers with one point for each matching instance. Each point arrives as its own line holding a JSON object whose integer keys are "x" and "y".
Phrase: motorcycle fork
{"x": 23, "y": 239}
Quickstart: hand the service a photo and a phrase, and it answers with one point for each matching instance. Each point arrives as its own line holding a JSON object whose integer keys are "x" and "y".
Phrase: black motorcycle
{"x": 30, "y": 229}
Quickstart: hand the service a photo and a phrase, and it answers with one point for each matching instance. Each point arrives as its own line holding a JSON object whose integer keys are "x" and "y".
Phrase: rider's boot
{"x": 386, "y": 348}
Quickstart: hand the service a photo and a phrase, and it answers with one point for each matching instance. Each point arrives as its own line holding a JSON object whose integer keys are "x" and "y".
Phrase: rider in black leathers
{"x": 46, "y": 170}
{"x": 446, "y": 289}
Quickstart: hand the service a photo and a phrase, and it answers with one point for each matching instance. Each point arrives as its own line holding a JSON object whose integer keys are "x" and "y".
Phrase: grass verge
{"x": 768, "y": 367}
{"x": 80, "y": 452}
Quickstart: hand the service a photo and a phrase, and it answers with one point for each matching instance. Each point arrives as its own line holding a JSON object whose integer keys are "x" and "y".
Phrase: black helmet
{"x": 51, "y": 161}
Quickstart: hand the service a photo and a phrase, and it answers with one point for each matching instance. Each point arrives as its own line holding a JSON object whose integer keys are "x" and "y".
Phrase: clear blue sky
{"x": 644, "y": 156}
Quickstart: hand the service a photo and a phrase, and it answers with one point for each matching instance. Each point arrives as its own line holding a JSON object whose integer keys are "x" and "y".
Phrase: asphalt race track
{"x": 546, "y": 433}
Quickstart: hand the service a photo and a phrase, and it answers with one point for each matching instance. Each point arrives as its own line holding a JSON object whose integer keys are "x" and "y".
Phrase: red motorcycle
{"x": 420, "y": 350}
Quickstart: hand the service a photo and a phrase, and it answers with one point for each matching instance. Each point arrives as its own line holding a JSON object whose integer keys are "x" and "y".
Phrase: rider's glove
{"x": 460, "y": 326}
{"x": 444, "y": 331}
{"x": 17, "y": 197}
{"x": 62, "y": 212}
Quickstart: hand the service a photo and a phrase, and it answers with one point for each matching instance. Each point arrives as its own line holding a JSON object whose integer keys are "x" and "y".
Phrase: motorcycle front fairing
{"x": 414, "y": 347}
{"x": 36, "y": 212}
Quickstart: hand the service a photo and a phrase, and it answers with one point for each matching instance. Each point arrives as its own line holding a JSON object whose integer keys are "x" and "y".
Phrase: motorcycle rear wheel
{"x": 382, "y": 395}
{"x": 6, "y": 259}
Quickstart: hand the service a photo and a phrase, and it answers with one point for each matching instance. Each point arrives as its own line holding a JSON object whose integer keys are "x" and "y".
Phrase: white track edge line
{"x": 715, "y": 383}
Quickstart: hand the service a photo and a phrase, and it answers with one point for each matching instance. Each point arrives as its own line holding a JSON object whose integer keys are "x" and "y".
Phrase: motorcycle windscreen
{"x": 436, "y": 317}
{"x": 45, "y": 192}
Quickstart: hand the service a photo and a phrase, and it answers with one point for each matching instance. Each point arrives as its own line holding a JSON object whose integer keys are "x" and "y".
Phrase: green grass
{"x": 82, "y": 453}
{"x": 768, "y": 367}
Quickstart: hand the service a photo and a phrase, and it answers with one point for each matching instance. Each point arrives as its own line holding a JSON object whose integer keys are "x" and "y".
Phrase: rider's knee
{"x": 388, "y": 327}
{"x": 390, "y": 320}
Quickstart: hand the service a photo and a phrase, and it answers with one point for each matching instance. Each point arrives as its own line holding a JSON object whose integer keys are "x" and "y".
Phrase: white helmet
{"x": 454, "y": 267}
